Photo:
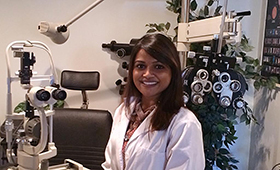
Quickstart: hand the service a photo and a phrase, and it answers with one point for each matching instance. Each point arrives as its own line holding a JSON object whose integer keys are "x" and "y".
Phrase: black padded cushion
{"x": 81, "y": 135}
{"x": 80, "y": 80}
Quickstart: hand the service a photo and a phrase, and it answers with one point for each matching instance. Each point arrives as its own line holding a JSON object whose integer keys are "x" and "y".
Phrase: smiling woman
{"x": 150, "y": 77}
{"x": 152, "y": 129}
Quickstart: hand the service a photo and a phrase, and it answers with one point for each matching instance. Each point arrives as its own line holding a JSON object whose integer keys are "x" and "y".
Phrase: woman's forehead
{"x": 142, "y": 54}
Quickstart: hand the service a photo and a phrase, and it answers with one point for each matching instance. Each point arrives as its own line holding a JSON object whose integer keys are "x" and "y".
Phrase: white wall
{"x": 265, "y": 146}
{"x": 118, "y": 20}
{"x": 265, "y": 137}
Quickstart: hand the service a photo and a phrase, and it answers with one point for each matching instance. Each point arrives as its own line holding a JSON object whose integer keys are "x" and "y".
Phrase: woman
{"x": 151, "y": 129}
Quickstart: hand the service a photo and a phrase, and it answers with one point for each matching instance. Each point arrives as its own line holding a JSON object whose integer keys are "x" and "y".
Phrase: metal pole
{"x": 222, "y": 27}
{"x": 185, "y": 11}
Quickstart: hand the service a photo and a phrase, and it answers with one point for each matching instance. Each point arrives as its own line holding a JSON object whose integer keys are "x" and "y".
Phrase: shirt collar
{"x": 143, "y": 114}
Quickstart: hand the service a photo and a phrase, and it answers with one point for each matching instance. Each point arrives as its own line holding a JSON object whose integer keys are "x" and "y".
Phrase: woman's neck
{"x": 146, "y": 103}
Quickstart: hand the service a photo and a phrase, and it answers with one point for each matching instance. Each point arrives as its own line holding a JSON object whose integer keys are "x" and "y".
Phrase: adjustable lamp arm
{"x": 83, "y": 12}
{"x": 59, "y": 32}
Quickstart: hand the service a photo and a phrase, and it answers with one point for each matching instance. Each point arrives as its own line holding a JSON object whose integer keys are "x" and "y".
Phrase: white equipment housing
{"x": 206, "y": 30}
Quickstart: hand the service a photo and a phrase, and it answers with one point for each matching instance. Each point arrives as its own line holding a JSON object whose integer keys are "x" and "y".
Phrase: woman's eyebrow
{"x": 142, "y": 61}
{"x": 139, "y": 61}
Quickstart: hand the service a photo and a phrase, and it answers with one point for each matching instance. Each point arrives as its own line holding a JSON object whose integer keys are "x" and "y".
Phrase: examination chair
{"x": 81, "y": 134}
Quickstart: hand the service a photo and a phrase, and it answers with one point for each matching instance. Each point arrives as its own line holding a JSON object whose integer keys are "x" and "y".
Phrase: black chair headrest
{"x": 80, "y": 80}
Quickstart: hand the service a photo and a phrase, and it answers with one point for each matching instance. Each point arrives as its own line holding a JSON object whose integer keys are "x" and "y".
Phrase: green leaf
{"x": 221, "y": 127}
{"x": 225, "y": 158}
{"x": 173, "y": 7}
{"x": 234, "y": 166}
{"x": 219, "y": 163}
{"x": 274, "y": 79}
{"x": 59, "y": 104}
{"x": 271, "y": 84}
{"x": 169, "y": 3}
{"x": 245, "y": 44}
{"x": 219, "y": 144}
{"x": 232, "y": 137}
{"x": 206, "y": 11}
{"x": 248, "y": 59}
{"x": 159, "y": 28}
{"x": 201, "y": 14}
{"x": 167, "y": 25}
{"x": 162, "y": 25}
{"x": 151, "y": 25}
{"x": 210, "y": 2}
{"x": 257, "y": 84}
{"x": 244, "y": 38}
{"x": 20, "y": 107}
{"x": 250, "y": 68}
{"x": 248, "y": 121}
{"x": 234, "y": 122}
{"x": 217, "y": 10}
{"x": 223, "y": 151}
{"x": 256, "y": 62}
{"x": 243, "y": 55}
{"x": 248, "y": 108}
{"x": 193, "y": 5}
{"x": 243, "y": 118}
{"x": 233, "y": 160}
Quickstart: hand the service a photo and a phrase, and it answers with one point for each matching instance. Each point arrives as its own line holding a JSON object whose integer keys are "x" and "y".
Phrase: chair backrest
{"x": 82, "y": 81}
{"x": 81, "y": 134}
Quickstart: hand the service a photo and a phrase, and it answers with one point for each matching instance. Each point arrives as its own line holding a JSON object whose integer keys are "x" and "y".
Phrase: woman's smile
{"x": 149, "y": 83}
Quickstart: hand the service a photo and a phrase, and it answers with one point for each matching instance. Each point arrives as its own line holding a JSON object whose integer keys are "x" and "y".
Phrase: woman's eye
{"x": 140, "y": 66}
{"x": 159, "y": 66}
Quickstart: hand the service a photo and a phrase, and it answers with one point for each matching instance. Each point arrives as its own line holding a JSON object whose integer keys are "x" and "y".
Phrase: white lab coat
{"x": 179, "y": 147}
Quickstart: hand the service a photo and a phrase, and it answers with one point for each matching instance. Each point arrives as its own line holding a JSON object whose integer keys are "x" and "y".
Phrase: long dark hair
{"x": 171, "y": 99}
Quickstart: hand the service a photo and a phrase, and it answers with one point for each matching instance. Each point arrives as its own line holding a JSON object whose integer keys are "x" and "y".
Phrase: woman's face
{"x": 150, "y": 76}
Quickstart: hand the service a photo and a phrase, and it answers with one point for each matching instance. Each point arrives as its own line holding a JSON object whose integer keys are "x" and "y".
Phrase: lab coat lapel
{"x": 125, "y": 121}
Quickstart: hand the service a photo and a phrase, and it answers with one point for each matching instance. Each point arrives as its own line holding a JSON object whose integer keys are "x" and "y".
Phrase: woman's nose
{"x": 148, "y": 72}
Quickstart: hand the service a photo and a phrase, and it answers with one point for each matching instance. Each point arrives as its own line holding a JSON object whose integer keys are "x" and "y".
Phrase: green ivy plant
{"x": 218, "y": 123}
{"x": 21, "y": 106}
{"x": 250, "y": 67}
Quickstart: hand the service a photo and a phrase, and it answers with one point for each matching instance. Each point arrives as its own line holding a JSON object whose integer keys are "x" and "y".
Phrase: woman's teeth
{"x": 150, "y": 83}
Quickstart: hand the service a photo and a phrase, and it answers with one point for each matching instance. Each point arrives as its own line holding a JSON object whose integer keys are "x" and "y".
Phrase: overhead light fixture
{"x": 59, "y": 33}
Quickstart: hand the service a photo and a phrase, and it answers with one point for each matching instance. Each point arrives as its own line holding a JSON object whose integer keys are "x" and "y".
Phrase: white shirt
{"x": 179, "y": 147}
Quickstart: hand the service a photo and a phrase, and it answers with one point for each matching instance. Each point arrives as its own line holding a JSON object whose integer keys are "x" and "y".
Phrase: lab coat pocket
{"x": 148, "y": 160}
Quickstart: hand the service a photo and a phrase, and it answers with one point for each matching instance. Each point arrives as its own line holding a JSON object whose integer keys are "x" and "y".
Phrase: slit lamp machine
{"x": 35, "y": 143}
